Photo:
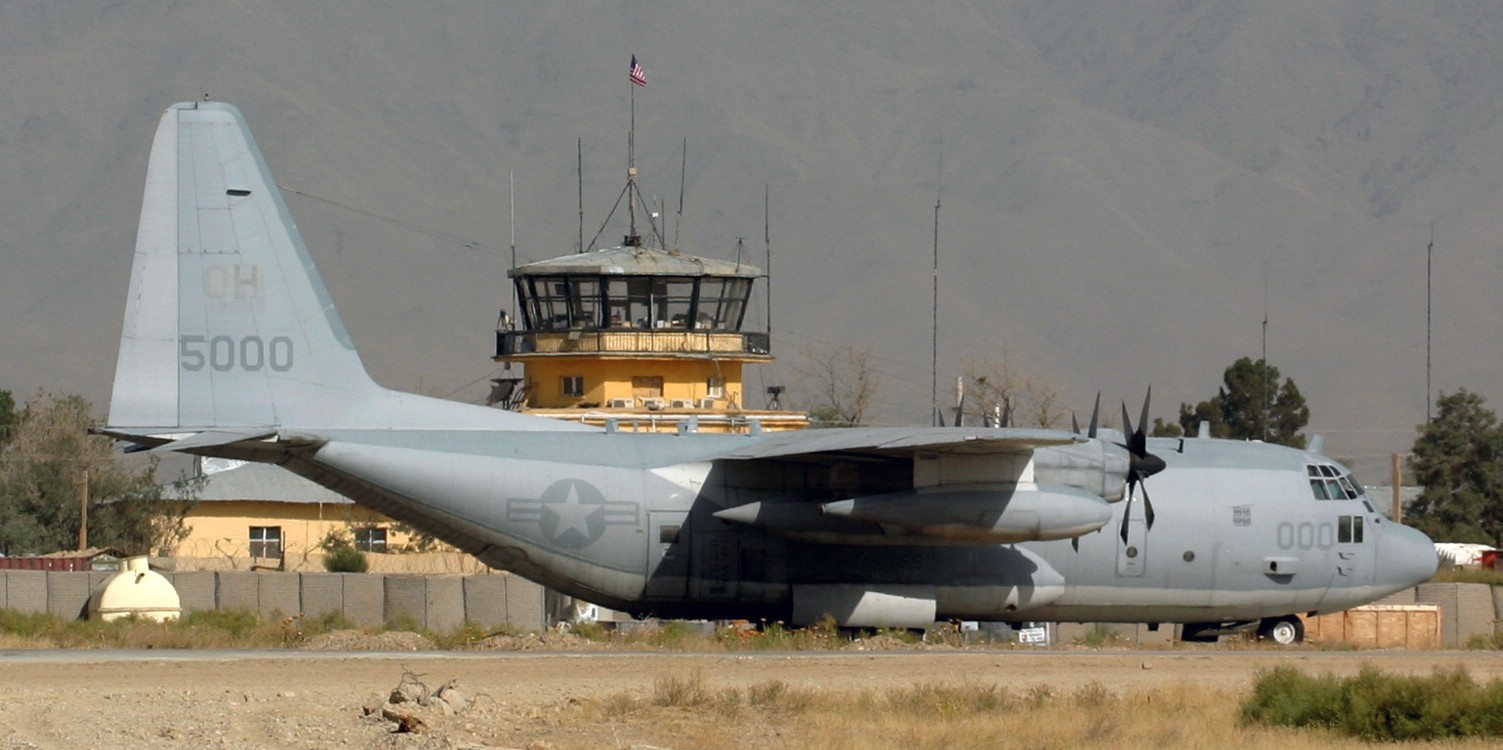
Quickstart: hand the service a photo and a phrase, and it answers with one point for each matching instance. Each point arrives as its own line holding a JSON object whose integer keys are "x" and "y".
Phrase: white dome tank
{"x": 135, "y": 590}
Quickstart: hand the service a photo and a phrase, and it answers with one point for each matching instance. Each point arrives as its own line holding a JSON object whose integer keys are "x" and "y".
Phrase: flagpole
{"x": 637, "y": 78}
{"x": 631, "y": 158}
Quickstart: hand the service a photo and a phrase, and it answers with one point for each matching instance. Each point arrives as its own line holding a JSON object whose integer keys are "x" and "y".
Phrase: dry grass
{"x": 692, "y": 711}
{"x": 208, "y": 629}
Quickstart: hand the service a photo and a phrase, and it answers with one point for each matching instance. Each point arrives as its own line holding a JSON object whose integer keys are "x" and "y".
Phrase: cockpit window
{"x": 1330, "y": 483}
{"x": 1355, "y": 484}
{"x": 1351, "y": 492}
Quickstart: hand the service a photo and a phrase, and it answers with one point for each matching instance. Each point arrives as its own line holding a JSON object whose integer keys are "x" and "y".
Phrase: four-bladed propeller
{"x": 1141, "y": 463}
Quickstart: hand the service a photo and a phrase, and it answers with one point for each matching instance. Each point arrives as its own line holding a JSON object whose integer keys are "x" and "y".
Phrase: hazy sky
{"x": 1127, "y": 188}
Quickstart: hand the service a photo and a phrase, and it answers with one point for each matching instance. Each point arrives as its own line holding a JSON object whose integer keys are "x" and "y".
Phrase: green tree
{"x": 44, "y": 466}
{"x": 7, "y": 416}
{"x": 1251, "y": 404}
{"x": 1458, "y": 459}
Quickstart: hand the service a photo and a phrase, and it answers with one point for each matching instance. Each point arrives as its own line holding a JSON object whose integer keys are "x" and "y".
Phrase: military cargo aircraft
{"x": 232, "y": 347}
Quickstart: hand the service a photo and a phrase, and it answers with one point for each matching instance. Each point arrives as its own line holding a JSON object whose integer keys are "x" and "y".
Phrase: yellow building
{"x": 262, "y": 517}
{"x": 650, "y": 339}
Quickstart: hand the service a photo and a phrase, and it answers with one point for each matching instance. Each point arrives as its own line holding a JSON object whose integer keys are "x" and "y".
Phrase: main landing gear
{"x": 1285, "y": 631}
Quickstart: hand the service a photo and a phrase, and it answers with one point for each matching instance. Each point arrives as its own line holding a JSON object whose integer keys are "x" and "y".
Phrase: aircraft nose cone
{"x": 1406, "y": 557}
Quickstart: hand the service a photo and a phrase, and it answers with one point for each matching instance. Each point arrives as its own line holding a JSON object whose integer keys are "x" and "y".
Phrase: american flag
{"x": 638, "y": 76}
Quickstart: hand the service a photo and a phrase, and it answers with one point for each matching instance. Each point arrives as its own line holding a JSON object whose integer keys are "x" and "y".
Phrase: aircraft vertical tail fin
{"x": 227, "y": 319}
{"x": 228, "y": 327}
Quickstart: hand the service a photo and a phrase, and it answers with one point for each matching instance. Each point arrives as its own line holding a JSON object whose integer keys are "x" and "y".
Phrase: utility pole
{"x": 83, "y": 509}
{"x": 1398, "y": 491}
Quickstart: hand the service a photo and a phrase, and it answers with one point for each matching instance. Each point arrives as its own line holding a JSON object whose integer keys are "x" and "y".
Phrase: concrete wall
{"x": 441, "y": 603}
{"x": 1466, "y": 610}
{"x": 444, "y": 602}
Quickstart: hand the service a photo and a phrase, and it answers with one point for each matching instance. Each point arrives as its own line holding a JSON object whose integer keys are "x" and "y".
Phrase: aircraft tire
{"x": 1285, "y": 631}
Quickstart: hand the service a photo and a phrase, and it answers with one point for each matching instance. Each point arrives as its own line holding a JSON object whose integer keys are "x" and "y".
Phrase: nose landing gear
{"x": 1285, "y": 631}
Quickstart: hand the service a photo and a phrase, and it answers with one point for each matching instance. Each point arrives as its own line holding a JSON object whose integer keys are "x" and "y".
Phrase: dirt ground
{"x": 281, "y": 699}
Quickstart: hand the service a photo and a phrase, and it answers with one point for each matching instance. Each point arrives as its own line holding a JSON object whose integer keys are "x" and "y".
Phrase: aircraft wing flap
{"x": 902, "y": 441}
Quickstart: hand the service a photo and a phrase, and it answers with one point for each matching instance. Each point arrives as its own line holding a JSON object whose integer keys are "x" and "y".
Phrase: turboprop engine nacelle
{"x": 1098, "y": 467}
{"x": 982, "y": 514}
{"x": 943, "y": 515}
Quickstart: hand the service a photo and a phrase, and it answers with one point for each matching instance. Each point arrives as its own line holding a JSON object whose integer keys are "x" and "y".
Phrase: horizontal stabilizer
{"x": 212, "y": 438}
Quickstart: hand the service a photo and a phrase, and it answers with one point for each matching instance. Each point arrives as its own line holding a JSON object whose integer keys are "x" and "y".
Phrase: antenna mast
{"x": 934, "y": 333}
{"x": 579, "y": 173}
{"x": 767, "y": 245}
{"x": 1429, "y": 251}
{"x": 511, "y": 178}
{"x": 1265, "y": 346}
{"x": 683, "y": 167}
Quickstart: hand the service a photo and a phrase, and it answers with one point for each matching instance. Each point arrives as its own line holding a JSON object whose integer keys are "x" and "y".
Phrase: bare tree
{"x": 995, "y": 387}
{"x": 840, "y": 384}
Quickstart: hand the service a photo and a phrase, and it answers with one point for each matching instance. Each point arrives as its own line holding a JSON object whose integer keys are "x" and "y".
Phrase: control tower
{"x": 651, "y": 339}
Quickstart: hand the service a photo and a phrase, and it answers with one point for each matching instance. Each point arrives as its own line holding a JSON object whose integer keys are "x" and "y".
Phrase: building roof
{"x": 634, "y": 261}
{"x": 261, "y": 483}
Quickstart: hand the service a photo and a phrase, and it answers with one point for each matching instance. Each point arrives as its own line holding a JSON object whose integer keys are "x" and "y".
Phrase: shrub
{"x": 1375, "y": 706}
{"x": 340, "y": 555}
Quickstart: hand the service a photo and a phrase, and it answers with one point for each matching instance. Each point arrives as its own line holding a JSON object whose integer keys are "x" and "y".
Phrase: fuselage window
{"x": 1349, "y": 529}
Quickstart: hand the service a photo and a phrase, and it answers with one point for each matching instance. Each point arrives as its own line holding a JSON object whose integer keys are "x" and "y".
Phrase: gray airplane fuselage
{"x": 627, "y": 520}
{"x": 231, "y": 347}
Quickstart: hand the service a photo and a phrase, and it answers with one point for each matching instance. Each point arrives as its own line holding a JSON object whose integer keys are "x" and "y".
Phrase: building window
{"x": 370, "y": 540}
{"x": 715, "y": 387}
{"x": 572, "y": 385}
{"x": 266, "y": 541}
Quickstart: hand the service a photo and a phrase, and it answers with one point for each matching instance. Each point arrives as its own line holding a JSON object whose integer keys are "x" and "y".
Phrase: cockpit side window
{"x": 1319, "y": 488}
{"x": 1355, "y": 484}
{"x": 1346, "y": 485}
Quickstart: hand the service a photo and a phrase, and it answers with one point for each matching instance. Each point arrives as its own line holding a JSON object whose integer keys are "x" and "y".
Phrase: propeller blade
{"x": 1006, "y": 412}
{"x": 1126, "y": 514}
{"x": 1147, "y": 506}
{"x": 1127, "y": 427}
{"x": 1143, "y": 420}
{"x": 1074, "y": 425}
{"x": 959, "y": 400}
{"x": 1095, "y": 416}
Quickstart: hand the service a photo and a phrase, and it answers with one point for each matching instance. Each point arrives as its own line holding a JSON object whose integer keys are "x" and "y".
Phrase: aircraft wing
{"x": 894, "y": 442}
